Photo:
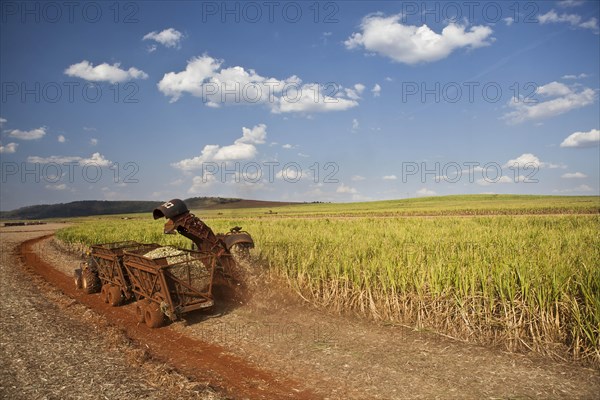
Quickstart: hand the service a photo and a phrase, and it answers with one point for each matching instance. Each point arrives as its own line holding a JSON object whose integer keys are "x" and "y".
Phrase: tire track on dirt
{"x": 50, "y": 345}
{"x": 193, "y": 358}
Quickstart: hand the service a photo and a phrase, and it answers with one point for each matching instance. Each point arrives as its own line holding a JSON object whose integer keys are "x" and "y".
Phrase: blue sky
{"x": 298, "y": 101}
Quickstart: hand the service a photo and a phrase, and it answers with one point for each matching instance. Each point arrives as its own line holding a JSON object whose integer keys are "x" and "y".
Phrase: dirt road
{"x": 53, "y": 348}
{"x": 271, "y": 347}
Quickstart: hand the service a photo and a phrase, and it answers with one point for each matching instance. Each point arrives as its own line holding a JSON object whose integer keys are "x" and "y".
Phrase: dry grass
{"x": 530, "y": 283}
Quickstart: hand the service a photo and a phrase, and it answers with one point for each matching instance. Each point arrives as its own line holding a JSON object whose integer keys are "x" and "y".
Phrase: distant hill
{"x": 79, "y": 209}
{"x": 104, "y": 207}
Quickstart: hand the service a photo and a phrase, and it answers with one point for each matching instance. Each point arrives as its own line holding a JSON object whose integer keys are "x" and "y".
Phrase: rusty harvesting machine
{"x": 166, "y": 282}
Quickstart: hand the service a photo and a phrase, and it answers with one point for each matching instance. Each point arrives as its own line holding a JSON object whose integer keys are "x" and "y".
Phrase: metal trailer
{"x": 104, "y": 268}
{"x": 107, "y": 261}
{"x": 170, "y": 286}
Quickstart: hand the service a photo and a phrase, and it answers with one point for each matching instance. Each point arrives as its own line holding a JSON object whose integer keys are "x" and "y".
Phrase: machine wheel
{"x": 153, "y": 316}
{"x": 140, "y": 310}
{"x": 114, "y": 297}
{"x": 78, "y": 279}
{"x": 90, "y": 282}
{"x": 104, "y": 292}
{"x": 241, "y": 251}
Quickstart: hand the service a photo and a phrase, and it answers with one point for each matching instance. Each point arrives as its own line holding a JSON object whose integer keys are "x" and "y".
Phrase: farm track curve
{"x": 195, "y": 359}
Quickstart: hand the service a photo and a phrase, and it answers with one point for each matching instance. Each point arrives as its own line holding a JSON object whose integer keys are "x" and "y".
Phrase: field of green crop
{"x": 506, "y": 276}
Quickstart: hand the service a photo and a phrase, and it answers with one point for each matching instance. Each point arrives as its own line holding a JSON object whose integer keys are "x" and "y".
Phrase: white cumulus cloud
{"x": 8, "y": 148}
{"x": 526, "y": 160}
{"x": 355, "y": 92}
{"x": 345, "y": 189}
{"x": 582, "y": 139}
{"x": 574, "y": 175}
{"x": 409, "y": 44}
{"x": 95, "y": 159}
{"x": 61, "y": 139}
{"x": 205, "y": 77}
{"x": 54, "y": 159}
{"x": 199, "y": 183}
{"x": 168, "y": 37}
{"x": 554, "y": 89}
{"x": 425, "y": 192}
{"x": 591, "y": 24}
{"x": 571, "y": 76}
{"x": 389, "y": 178}
{"x": 313, "y": 98}
{"x": 552, "y": 16}
{"x": 560, "y": 99}
{"x": 242, "y": 149}
{"x": 3, "y": 121}
{"x": 529, "y": 161}
{"x": 376, "y": 90}
{"x": 290, "y": 174}
{"x": 572, "y": 19}
{"x": 256, "y": 135}
{"x": 570, "y": 3}
{"x": 60, "y": 186}
{"x": 33, "y": 134}
{"x": 104, "y": 72}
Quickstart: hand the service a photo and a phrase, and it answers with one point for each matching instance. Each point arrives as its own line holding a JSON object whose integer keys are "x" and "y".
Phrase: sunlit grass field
{"x": 521, "y": 271}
